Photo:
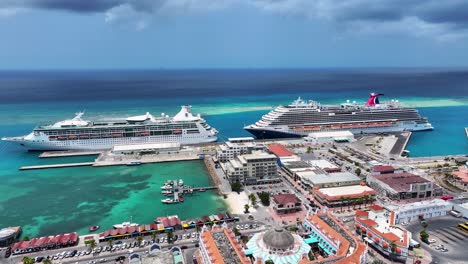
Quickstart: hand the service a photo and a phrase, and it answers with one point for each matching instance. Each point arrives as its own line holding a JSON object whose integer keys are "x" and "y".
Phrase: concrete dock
{"x": 50, "y": 166}
{"x": 68, "y": 153}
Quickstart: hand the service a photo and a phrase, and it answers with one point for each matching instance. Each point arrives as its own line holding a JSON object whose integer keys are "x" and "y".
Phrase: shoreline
{"x": 236, "y": 202}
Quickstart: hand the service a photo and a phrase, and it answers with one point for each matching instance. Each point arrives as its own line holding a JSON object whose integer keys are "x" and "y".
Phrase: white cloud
{"x": 9, "y": 12}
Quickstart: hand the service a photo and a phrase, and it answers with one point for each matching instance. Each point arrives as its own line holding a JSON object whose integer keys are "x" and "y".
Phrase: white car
{"x": 432, "y": 240}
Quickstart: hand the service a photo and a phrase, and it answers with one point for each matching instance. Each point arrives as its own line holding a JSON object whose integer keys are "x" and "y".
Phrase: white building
{"x": 413, "y": 211}
{"x": 460, "y": 205}
{"x": 153, "y": 147}
{"x": 235, "y": 147}
{"x": 311, "y": 179}
{"x": 330, "y": 137}
{"x": 256, "y": 168}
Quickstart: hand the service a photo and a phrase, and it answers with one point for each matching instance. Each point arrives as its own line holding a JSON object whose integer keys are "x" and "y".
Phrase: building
{"x": 319, "y": 179}
{"x": 283, "y": 154}
{"x": 8, "y": 235}
{"x": 235, "y": 147}
{"x": 377, "y": 226}
{"x": 286, "y": 203}
{"x": 332, "y": 197}
{"x": 460, "y": 178}
{"x": 330, "y": 137}
{"x": 324, "y": 165}
{"x": 278, "y": 245}
{"x": 256, "y": 168}
{"x": 405, "y": 213}
{"x": 42, "y": 243}
{"x": 220, "y": 246}
{"x": 385, "y": 169}
{"x": 291, "y": 167}
{"x": 460, "y": 205}
{"x": 401, "y": 186}
{"x": 146, "y": 148}
{"x": 331, "y": 242}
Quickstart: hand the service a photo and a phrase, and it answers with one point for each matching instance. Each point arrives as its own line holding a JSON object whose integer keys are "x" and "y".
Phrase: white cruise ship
{"x": 303, "y": 117}
{"x": 78, "y": 134}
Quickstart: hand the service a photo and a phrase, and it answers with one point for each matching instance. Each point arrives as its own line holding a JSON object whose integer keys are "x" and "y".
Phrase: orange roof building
{"x": 333, "y": 238}
{"x": 377, "y": 227}
{"x": 219, "y": 245}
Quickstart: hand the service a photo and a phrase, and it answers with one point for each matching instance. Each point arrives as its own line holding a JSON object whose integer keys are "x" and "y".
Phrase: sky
{"x": 134, "y": 34}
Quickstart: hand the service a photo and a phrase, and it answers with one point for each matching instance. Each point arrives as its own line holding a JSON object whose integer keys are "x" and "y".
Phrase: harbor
{"x": 175, "y": 191}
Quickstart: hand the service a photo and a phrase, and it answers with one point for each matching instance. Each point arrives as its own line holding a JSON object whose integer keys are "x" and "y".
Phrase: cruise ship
{"x": 78, "y": 134}
{"x": 303, "y": 117}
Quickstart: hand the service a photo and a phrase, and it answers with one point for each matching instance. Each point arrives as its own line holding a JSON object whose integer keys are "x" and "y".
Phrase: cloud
{"x": 438, "y": 19}
{"x": 442, "y": 20}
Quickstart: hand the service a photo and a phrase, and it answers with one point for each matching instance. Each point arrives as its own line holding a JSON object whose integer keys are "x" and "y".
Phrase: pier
{"x": 68, "y": 153}
{"x": 49, "y": 166}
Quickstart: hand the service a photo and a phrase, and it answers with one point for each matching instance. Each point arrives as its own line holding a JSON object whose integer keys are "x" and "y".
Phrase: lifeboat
{"x": 84, "y": 136}
{"x": 177, "y": 131}
{"x": 72, "y": 136}
{"x": 116, "y": 134}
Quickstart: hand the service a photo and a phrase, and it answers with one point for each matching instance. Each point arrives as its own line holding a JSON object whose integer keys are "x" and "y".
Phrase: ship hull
{"x": 102, "y": 144}
{"x": 282, "y": 132}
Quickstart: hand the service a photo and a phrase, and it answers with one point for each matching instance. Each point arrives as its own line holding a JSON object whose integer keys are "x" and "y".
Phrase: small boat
{"x": 125, "y": 224}
{"x": 166, "y": 187}
{"x": 181, "y": 199}
{"x": 167, "y": 201}
{"x": 166, "y": 192}
{"x": 181, "y": 182}
{"x": 134, "y": 163}
{"x": 94, "y": 228}
{"x": 202, "y": 190}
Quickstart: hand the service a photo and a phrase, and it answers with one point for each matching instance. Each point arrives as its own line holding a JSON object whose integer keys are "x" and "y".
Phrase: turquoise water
{"x": 53, "y": 201}
{"x": 73, "y": 199}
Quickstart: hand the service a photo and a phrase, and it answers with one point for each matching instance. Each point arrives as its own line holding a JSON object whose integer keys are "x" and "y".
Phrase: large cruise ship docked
{"x": 303, "y": 117}
{"x": 78, "y": 134}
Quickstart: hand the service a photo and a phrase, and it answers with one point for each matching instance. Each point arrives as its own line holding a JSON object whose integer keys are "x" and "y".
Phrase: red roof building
{"x": 286, "y": 203}
{"x": 279, "y": 150}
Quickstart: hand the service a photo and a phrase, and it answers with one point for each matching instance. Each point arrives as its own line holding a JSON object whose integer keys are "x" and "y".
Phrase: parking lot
{"x": 449, "y": 242}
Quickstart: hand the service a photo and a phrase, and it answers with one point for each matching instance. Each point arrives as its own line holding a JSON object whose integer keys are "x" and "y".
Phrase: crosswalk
{"x": 450, "y": 235}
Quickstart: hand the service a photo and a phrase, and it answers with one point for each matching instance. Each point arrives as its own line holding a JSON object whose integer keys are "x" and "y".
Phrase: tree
{"x": 47, "y": 261}
{"x": 154, "y": 235}
{"x": 198, "y": 229}
{"x": 170, "y": 235}
{"x": 269, "y": 262}
{"x": 366, "y": 198}
{"x": 236, "y": 187}
{"x": 236, "y": 231}
{"x": 110, "y": 242}
{"x": 348, "y": 201}
{"x": 358, "y": 172}
{"x": 393, "y": 248}
{"x": 309, "y": 150}
{"x": 26, "y": 238}
{"x": 139, "y": 239}
{"x": 360, "y": 201}
{"x": 92, "y": 244}
{"x": 424, "y": 236}
{"x": 28, "y": 260}
{"x": 253, "y": 199}
{"x": 246, "y": 207}
{"x": 354, "y": 201}
{"x": 424, "y": 224}
{"x": 378, "y": 261}
{"x": 264, "y": 198}
{"x": 342, "y": 199}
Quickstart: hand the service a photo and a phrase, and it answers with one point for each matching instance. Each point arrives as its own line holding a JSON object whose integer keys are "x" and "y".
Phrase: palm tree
{"x": 424, "y": 224}
{"x": 92, "y": 244}
{"x": 246, "y": 207}
{"x": 366, "y": 199}
{"x": 348, "y": 202}
{"x": 139, "y": 239}
{"x": 154, "y": 235}
{"x": 360, "y": 201}
{"x": 47, "y": 261}
{"x": 342, "y": 199}
{"x": 198, "y": 229}
{"x": 393, "y": 248}
{"x": 110, "y": 242}
{"x": 354, "y": 204}
{"x": 170, "y": 235}
{"x": 28, "y": 260}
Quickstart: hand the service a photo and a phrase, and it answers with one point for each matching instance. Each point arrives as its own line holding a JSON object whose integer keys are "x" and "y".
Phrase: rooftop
{"x": 285, "y": 198}
{"x": 257, "y": 155}
{"x": 383, "y": 168}
{"x": 223, "y": 247}
{"x": 418, "y": 205}
{"x": 352, "y": 191}
{"x": 461, "y": 174}
{"x": 146, "y": 146}
{"x": 328, "y": 177}
{"x": 400, "y": 182}
{"x": 332, "y": 134}
{"x": 323, "y": 164}
{"x": 279, "y": 150}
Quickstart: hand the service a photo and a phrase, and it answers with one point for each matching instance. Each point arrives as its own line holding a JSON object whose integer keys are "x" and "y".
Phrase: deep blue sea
{"x": 227, "y": 99}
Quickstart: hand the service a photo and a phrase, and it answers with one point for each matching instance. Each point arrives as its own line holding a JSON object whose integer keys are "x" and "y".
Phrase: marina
{"x": 176, "y": 190}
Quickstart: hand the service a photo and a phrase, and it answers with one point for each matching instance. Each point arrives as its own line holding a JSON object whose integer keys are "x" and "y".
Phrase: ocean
{"x": 62, "y": 200}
